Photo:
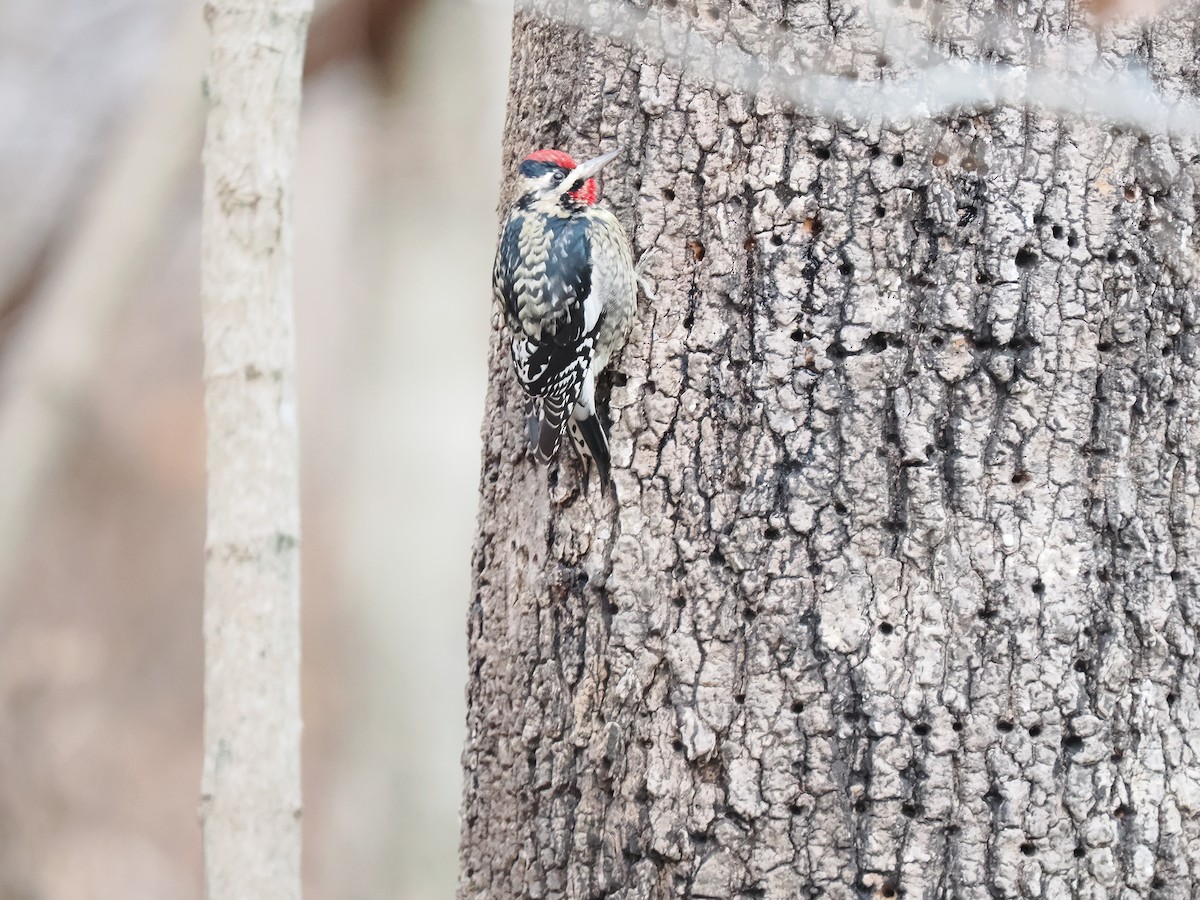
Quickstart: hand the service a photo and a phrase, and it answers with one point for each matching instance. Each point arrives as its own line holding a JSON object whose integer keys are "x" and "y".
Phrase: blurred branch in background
{"x": 100, "y": 689}
{"x": 68, "y": 72}
{"x": 422, "y": 207}
{"x": 371, "y": 31}
{"x": 61, "y": 340}
{"x": 62, "y": 303}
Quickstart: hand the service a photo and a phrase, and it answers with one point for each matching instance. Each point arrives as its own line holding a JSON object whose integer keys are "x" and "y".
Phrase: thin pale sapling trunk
{"x": 251, "y": 781}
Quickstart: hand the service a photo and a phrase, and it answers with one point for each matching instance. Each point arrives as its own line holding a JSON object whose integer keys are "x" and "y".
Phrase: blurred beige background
{"x": 100, "y": 644}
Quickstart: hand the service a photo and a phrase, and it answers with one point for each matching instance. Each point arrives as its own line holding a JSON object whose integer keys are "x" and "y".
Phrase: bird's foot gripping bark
{"x": 639, "y": 272}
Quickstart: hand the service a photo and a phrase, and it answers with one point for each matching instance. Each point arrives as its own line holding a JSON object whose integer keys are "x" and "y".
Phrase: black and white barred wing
{"x": 553, "y": 377}
{"x": 543, "y": 277}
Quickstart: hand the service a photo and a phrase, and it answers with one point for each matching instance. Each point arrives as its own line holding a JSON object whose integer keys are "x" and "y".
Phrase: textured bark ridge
{"x": 899, "y": 593}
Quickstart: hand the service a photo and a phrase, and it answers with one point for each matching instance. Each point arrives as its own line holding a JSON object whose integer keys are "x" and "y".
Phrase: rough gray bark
{"x": 251, "y": 784}
{"x": 899, "y": 593}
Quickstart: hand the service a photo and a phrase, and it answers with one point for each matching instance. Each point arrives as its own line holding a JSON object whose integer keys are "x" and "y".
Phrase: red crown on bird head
{"x": 587, "y": 193}
{"x": 556, "y": 157}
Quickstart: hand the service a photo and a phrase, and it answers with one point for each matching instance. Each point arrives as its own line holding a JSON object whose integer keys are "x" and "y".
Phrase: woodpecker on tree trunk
{"x": 565, "y": 275}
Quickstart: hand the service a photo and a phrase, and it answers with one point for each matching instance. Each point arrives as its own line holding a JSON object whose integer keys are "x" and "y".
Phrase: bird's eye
{"x": 558, "y": 176}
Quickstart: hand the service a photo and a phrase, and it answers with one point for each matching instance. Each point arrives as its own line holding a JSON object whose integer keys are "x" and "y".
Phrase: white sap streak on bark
{"x": 251, "y": 782}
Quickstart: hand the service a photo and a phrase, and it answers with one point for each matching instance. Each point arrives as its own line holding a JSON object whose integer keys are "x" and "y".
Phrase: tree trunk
{"x": 898, "y": 594}
{"x": 251, "y": 784}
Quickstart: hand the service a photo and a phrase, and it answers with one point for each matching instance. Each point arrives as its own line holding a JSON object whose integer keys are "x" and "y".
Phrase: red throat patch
{"x": 588, "y": 193}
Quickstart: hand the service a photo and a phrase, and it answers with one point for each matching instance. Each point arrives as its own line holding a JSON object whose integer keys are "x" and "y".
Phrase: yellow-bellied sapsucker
{"x": 565, "y": 275}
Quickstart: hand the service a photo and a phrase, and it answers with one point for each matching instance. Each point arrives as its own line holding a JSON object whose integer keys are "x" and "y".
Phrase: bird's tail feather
{"x": 552, "y": 415}
{"x": 588, "y": 436}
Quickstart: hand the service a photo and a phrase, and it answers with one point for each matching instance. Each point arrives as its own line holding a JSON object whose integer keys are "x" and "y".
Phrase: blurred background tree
{"x": 250, "y": 804}
{"x": 100, "y": 665}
